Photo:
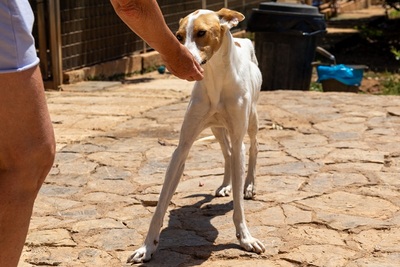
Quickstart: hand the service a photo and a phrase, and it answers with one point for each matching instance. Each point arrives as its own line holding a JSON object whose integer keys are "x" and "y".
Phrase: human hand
{"x": 182, "y": 64}
{"x": 141, "y": 16}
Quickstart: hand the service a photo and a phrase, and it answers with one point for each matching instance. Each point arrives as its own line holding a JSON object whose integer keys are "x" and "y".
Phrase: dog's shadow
{"x": 189, "y": 238}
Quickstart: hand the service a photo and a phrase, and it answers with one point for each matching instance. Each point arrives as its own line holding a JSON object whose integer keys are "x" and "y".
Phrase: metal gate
{"x": 73, "y": 34}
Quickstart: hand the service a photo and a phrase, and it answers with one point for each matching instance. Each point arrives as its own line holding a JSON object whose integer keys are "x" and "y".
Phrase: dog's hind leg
{"x": 222, "y": 137}
{"x": 249, "y": 186}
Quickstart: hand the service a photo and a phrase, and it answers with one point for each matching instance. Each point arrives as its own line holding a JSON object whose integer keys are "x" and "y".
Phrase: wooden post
{"x": 55, "y": 42}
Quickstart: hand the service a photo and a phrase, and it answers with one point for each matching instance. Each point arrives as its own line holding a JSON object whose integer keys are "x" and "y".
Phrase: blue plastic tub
{"x": 349, "y": 75}
{"x": 340, "y": 78}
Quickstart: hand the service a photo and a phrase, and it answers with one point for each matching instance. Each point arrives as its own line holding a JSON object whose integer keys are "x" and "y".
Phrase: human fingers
{"x": 198, "y": 71}
{"x": 194, "y": 75}
{"x": 187, "y": 72}
{"x": 195, "y": 72}
{"x": 183, "y": 64}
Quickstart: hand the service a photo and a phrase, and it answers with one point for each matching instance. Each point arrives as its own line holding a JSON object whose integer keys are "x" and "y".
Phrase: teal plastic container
{"x": 349, "y": 75}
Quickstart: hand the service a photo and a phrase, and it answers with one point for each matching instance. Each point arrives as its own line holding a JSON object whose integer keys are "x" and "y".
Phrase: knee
{"x": 42, "y": 160}
{"x": 25, "y": 167}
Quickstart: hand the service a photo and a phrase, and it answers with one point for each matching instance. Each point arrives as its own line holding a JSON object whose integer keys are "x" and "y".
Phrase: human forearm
{"x": 144, "y": 17}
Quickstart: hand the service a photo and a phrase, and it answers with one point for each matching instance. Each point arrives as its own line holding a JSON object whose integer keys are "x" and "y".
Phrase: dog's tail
{"x": 253, "y": 56}
{"x": 253, "y": 53}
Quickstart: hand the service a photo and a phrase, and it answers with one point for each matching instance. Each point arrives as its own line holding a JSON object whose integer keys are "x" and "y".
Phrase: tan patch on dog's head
{"x": 237, "y": 44}
{"x": 201, "y": 31}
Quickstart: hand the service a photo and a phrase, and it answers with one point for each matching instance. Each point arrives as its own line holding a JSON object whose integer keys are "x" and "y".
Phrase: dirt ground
{"x": 370, "y": 46}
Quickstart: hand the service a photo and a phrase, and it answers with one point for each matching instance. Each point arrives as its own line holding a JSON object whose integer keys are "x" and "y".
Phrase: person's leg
{"x": 27, "y": 149}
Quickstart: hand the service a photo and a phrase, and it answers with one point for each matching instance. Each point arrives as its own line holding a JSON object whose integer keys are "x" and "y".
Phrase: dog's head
{"x": 202, "y": 31}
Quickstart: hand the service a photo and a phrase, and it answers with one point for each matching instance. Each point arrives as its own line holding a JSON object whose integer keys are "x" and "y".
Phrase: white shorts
{"x": 17, "y": 45}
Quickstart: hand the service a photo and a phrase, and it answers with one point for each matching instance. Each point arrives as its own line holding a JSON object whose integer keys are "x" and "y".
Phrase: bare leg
{"x": 27, "y": 149}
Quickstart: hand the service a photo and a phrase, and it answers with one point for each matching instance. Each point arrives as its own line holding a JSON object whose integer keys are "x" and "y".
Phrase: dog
{"x": 225, "y": 100}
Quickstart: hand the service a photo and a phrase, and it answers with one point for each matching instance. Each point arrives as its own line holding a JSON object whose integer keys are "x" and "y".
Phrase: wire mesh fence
{"x": 92, "y": 33}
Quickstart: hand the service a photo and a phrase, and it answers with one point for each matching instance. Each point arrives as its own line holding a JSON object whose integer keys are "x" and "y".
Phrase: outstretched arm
{"x": 144, "y": 17}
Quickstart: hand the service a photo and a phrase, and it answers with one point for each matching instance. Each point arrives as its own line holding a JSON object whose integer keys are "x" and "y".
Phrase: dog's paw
{"x": 249, "y": 191}
{"x": 223, "y": 191}
{"x": 252, "y": 244}
{"x": 142, "y": 254}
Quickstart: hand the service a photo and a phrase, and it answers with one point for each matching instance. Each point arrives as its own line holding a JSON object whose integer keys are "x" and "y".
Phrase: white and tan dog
{"x": 224, "y": 100}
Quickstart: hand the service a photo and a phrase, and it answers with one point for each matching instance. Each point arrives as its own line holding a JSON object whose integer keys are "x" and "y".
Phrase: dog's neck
{"x": 220, "y": 71}
{"x": 223, "y": 63}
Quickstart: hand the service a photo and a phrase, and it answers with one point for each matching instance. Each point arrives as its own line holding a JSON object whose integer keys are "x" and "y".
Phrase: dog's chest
{"x": 219, "y": 116}
{"x": 218, "y": 119}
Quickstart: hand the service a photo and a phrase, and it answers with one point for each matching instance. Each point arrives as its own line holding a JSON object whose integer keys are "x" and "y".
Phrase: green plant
{"x": 393, "y": 14}
{"x": 369, "y": 33}
{"x": 114, "y": 77}
{"x": 100, "y": 77}
{"x": 395, "y": 52}
{"x": 391, "y": 85}
{"x": 316, "y": 87}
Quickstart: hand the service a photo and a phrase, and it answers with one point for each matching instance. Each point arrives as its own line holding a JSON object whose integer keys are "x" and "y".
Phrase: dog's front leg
{"x": 247, "y": 242}
{"x": 192, "y": 125}
{"x": 173, "y": 174}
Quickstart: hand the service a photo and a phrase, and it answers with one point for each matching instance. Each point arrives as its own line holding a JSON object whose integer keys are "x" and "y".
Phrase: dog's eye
{"x": 179, "y": 37}
{"x": 201, "y": 33}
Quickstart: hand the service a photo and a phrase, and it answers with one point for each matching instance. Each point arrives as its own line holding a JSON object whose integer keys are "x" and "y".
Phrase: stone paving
{"x": 328, "y": 181}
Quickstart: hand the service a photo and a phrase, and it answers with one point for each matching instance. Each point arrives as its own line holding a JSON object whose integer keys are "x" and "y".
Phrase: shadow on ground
{"x": 191, "y": 233}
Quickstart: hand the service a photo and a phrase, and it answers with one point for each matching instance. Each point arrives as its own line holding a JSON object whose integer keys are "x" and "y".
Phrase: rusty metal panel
{"x": 215, "y": 4}
{"x": 236, "y": 5}
{"x": 92, "y": 33}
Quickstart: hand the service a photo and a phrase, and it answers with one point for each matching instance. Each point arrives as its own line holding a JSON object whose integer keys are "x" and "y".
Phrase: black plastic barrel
{"x": 285, "y": 43}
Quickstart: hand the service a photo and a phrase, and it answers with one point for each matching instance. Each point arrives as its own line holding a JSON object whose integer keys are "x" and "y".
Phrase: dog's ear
{"x": 230, "y": 18}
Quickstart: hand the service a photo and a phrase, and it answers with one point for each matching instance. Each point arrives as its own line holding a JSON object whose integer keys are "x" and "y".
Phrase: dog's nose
{"x": 203, "y": 62}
